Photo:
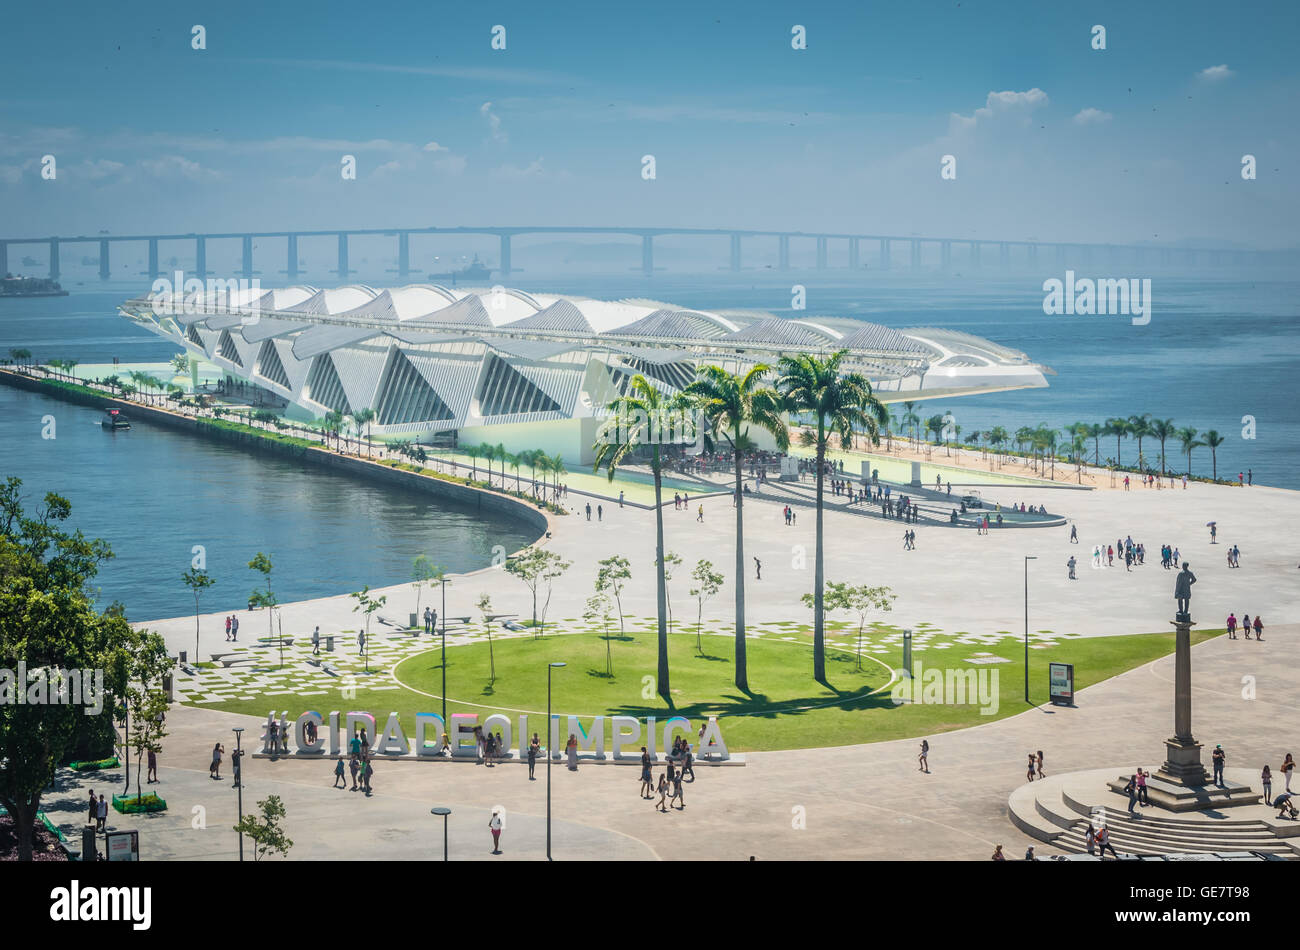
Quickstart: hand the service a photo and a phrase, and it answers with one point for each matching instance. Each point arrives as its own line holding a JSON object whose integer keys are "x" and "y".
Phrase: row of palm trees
{"x": 1043, "y": 441}
{"x": 808, "y": 388}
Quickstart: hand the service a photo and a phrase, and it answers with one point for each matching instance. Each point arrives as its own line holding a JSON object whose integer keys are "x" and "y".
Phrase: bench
{"x": 227, "y": 664}
{"x": 287, "y": 641}
{"x": 216, "y": 657}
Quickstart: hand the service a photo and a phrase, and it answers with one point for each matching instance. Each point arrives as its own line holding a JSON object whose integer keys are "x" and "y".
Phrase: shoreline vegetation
{"x": 261, "y": 426}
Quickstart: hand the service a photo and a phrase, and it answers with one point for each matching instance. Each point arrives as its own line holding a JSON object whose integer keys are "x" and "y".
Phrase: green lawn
{"x": 785, "y": 709}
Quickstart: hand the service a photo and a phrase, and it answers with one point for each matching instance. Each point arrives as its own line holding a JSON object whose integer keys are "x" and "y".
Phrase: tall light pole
{"x": 239, "y": 785}
{"x": 443, "y": 580}
{"x": 1028, "y": 558}
{"x": 550, "y": 754}
{"x": 444, "y": 812}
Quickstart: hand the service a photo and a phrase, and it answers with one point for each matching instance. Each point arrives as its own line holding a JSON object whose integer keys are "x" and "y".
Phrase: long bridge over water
{"x": 971, "y": 252}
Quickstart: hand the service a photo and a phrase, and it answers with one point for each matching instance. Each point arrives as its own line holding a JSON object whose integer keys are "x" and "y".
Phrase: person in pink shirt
{"x": 1142, "y": 787}
{"x": 1232, "y": 626}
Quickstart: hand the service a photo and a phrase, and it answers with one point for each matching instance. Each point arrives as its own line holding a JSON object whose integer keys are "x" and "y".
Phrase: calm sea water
{"x": 1215, "y": 351}
{"x": 154, "y": 494}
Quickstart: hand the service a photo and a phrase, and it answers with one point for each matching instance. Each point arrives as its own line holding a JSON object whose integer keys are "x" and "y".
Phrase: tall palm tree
{"x": 730, "y": 404}
{"x": 997, "y": 436}
{"x": 333, "y": 422}
{"x": 541, "y": 463}
{"x": 1119, "y": 428}
{"x": 1163, "y": 429}
{"x": 514, "y": 460}
{"x": 836, "y": 402}
{"x": 1214, "y": 440}
{"x": 557, "y": 469}
{"x": 473, "y": 451}
{"x": 1140, "y": 428}
{"x": 641, "y": 417}
{"x": 1188, "y": 437}
{"x": 910, "y": 418}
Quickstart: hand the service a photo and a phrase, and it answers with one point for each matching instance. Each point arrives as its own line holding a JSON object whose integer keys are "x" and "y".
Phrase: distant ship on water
{"x": 13, "y": 286}
{"x": 475, "y": 270}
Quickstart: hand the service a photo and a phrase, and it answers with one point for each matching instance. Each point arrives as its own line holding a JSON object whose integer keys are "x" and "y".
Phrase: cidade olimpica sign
{"x": 434, "y": 740}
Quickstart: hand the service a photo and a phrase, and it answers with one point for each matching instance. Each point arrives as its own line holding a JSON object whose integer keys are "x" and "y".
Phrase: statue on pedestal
{"x": 1183, "y": 593}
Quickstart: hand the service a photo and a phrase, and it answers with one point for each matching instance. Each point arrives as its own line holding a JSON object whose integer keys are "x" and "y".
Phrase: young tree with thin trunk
{"x": 197, "y": 581}
{"x": 707, "y": 583}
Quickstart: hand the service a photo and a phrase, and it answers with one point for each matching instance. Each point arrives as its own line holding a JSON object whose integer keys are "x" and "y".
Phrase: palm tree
{"x": 1213, "y": 440}
{"x": 910, "y": 418}
{"x": 473, "y": 451}
{"x": 836, "y": 402}
{"x": 362, "y": 418}
{"x": 1119, "y": 428}
{"x": 1187, "y": 436}
{"x": 1163, "y": 429}
{"x": 541, "y": 463}
{"x": 332, "y": 422}
{"x": 729, "y": 405}
{"x": 1140, "y": 428}
{"x": 557, "y": 469}
{"x": 640, "y": 417}
{"x": 514, "y": 460}
{"x": 1024, "y": 435}
{"x": 997, "y": 436}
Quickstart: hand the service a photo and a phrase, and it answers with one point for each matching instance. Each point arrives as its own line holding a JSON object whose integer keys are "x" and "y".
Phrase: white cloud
{"x": 175, "y": 166}
{"x": 1091, "y": 116}
{"x": 494, "y": 122}
{"x": 435, "y": 147}
{"x": 1215, "y": 73}
{"x": 999, "y": 104}
{"x": 532, "y": 170}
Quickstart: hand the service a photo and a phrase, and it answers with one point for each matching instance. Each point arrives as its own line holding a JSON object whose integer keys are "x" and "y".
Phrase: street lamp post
{"x": 444, "y": 651}
{"x": 550, "y": 753}
{"x": 1028, "y": 558}
{"x": 444, "y": 812}
{"x": 239, "y": 785}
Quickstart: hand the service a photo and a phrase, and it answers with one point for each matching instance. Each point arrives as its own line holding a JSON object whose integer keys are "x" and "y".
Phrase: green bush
{"x": 95, "y": 765}
{"x": 130, "y": 805}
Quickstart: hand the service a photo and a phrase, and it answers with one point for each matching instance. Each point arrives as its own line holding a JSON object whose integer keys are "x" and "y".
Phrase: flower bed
{"x": 130, "y": 805}
{"x": 95, "y": 765}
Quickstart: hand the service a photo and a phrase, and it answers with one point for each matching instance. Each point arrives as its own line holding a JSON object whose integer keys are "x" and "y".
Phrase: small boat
{"x": 114, "y": 419}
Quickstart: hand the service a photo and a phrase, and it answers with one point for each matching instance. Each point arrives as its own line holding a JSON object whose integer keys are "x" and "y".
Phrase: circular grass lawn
{"x": 785, "y": 706}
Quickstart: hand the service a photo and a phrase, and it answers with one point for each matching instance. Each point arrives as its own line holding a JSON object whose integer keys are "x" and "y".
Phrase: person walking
{"x": 1071, "y": 564}
{"x": 533, "y": 747}
{"x": 1090, "y": 838}
{"x": 361, "y": 642}
{"x": 663, "y": 793}
{"x": 1039, "y": 762}
{"x": 588, "y": 511}
{"x": 1266, "y": 780}
{"x": 495, "y": 825}
{"x": 1232, "y": 625}
{"x": 1142, "y": 777}
{"x": 101, "y": 814}
{"x": 1288, "y": 766}
{"x": 1074, "y": 534}
{"x": 367, "y": 774}
{"x": 338, "y": 775}
{"x": 93, "y": 816}
{"x": 1103, "y": 842}
{"x": 1245, "y": 625}
{"x": 1220, "y": 759}
{"x": 571, "y": 750}
{"x": 353, "y": 768}
{"x": 677, "y": 790}
{"x": 924, "y": 757}
{"x": 1029, "y": 777}
{"x": 214, "y": 770}
{"x": 315, "y": 641}
{"x": 153, "y": 768}
{"x": 758, "y": 569}
{"x": 700, "y": 517}
{"x": 1131, "y": 789}
{"x": 227, "y": 634}
{"x": 600, "y": 512}
{"x": 1259, "y": 628}
{"x": 237, "y": 767}
{"x": 647, "y": 781}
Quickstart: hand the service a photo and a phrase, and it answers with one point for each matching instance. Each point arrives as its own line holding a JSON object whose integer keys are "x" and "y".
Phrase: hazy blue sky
{"x": 1053, "y": 140}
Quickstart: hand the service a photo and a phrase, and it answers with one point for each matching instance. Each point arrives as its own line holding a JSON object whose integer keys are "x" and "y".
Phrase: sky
{"x": 1051, "y": 139}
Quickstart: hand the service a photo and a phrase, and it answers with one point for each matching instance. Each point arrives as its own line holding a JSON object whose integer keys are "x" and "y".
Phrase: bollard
{"x": 329, "y": 643}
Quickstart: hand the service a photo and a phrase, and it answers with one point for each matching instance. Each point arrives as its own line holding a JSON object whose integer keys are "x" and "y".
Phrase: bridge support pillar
{"x": 343, "y": 269}
{"x": 648, "y": 255}
{"x": 200, "y": 258}
{"x": 974, "y": 253}
{"x": 505, "y": 257}
{"x": 821, "y": 253}
{"x": 4, "y": 258}
{"x": 104, "y": 268}
{"x": 403, "y": 255}
{"x": 153, "y": 260}
{"x": 54, "y": 258}
{"x": 855, "y": 254}
{"x": 1033, "y": 253}
{"x": 1004, "y": 254}
{"x": 916, "y": 255}
{"x": 735, "y": 252}
{"x": 945, "y": 255}
{"x": 291, "y": 262}
{"x": 783, "y": 252}
{"x": 884, "y": 253}
{"x": 247, "y": 246}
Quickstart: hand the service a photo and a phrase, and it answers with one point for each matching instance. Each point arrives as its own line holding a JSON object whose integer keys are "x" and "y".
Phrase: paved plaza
{"x": 863, "y": 801}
